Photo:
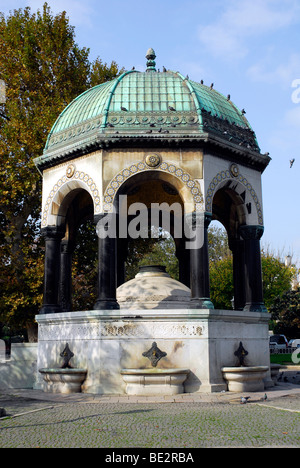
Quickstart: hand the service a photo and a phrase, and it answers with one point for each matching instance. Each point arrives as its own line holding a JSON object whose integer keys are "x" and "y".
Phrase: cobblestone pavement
{"x": 182, "y": 422}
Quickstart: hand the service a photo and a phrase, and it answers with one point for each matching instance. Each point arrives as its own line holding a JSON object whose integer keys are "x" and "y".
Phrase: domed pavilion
{"x": 144, "y": 138}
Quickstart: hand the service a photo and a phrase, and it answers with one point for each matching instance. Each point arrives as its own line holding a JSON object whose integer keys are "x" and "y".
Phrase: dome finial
{"x": 150, "y": 56}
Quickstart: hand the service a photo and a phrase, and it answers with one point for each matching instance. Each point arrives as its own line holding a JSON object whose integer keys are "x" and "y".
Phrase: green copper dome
{"x": 149, "y": 107}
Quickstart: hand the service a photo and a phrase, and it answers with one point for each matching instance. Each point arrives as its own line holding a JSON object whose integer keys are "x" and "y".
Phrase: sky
{"x": 248, "y": 49}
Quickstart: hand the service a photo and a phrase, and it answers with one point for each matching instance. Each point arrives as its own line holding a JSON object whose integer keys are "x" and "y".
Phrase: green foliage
{"x": 277, "y": 277}
{"x": 158, "y": 250}
{"x": 285, "y": 312}
{"x": 220, "y": 265}
{"x": 221, "y": 283}
{"x": 280, "y": 358}
{"x": 85, "y": 267}
{"x": 100, "y": 73}
{"x": 217, "y": 243}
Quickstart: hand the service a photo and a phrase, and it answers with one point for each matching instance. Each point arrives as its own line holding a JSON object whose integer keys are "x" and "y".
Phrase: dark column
{"x": 107, "y": 255}
{"x": 199, "y": 261}
{"x": 65, "y": 285}
{"x": 183, "y": 257}
{"x": 237, "y": 247}
{"x": 53, "y": 236}
{"x": 252, "y": 268}
{"x": 122, "y": 251}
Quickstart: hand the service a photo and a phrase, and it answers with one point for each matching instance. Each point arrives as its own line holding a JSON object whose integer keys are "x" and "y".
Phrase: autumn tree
{"x": 277, "y": 277}
{"x": 43, "y": 69}
{"x": 285, "y": 313}
{"x": 157, "y": 249}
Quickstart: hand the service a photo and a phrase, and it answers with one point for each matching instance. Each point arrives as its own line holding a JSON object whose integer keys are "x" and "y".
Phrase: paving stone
{"x": 215, "y": 420}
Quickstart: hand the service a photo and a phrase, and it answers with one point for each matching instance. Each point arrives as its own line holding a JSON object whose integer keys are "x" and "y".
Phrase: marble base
{"x": 154, "y": 381}
{"x": 63, "y": 380}
{"x": 275, "y": 370}
{"x": 245, "y": 379}
{"x": 107, "y": 341}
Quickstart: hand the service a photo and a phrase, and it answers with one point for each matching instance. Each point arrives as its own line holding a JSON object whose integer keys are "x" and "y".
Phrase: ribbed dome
{"x": 148, "y": 105}
{"x": 153, "y": 288}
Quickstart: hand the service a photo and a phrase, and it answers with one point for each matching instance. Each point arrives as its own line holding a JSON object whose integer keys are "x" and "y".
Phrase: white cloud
{"x": 284, "y": 73}
{"x": 243, "y": 20}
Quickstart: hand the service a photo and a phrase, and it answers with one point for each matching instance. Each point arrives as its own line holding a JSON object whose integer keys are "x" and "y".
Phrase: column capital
{"x": 98, "y": 216}
{"x": 251, "y": 232}
{"x": 53, "y": 232}
{"x": 198, "y": 219}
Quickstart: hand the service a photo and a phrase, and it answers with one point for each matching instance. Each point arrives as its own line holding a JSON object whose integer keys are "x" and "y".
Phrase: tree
{"x": 156, "y": 249}
{"x": 277, "y": 277}
{"x": 221, "y": 283}
{"x": 43, "y": 69}
{"x": 285, "y": 313}
{"x": 101, "y": 72}
{"x": 217, "y": 243}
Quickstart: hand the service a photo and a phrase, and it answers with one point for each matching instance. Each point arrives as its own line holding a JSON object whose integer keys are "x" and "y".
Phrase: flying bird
{"x": 292, "y": 162}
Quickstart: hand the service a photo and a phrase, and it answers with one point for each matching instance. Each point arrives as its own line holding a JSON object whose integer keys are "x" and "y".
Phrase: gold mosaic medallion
{"x": 234, "y": 170}
{"x": 70, "y": 171}
{"x": 153, "y": 160}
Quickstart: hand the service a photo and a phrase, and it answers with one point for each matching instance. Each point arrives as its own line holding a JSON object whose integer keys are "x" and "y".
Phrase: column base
{"x": 50, "y": 309}
{"x": 201, "y": 303}
{"x": 106, "y": 304}
{"x": 255, "y": 307}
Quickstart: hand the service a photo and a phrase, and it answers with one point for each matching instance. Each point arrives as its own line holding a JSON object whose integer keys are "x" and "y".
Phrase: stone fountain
{"x": 176, "y": 168}
{"x": 65, "y": 379}
{"x": 153, "y": 380}
{"x": 242, "y": 378}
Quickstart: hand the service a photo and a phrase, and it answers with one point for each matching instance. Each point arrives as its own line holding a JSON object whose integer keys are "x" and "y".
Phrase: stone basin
{"x": 245, "y": 379}
{"x": 63, "y": 380}
{"x": 275, "y": 369}
{"x": 154, "y": 381}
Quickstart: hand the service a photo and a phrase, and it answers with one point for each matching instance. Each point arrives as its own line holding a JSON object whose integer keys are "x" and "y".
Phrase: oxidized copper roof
{"x": 147, "y": 106}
